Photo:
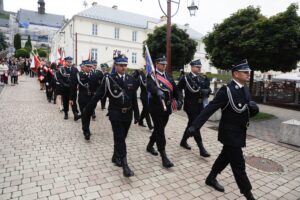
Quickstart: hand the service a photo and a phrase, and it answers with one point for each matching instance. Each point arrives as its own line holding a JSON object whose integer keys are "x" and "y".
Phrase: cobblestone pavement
{"x": 43, "y": 156}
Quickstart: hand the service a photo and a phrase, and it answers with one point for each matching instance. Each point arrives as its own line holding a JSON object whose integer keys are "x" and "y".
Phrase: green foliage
{"x": 4, "y": 15}
{"x": 281, "y": 40}
{"x": 223, "y": 77}
{"x": 3, "y": 44}
{"x": 268, "y": 44}
{"x": 42, "y": 53}
{"x": 28, "y": 44}
{"x": 263, "y": 116}
{"x": 232, "y": 40}
{"x": 22, "y": 53}
{"x": 183, "y": 47}
{"x": 17, "y": 41}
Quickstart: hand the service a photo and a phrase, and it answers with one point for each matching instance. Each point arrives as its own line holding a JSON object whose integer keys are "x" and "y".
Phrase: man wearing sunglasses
{"x": 237, "y": 108}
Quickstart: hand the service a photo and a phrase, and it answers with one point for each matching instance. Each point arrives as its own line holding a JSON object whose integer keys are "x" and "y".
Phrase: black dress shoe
{"x": 249, "y": 195}
{"x": 185, "y": 145}
{"x": 151, "y": 150}
{"x": 212, "y": 181}
{"x": 127, "y": 172}
{"x": 116, "y": 161}
{"x": 165, "y": 160}
{"x": 204, "y": 153}
{"x": 87, "y": 135}
{"x": 77, "y": 117}
{"x": 66, "y": 116}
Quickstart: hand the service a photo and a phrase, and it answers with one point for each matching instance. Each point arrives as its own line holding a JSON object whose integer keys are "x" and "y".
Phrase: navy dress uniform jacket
{"x": 155, "y": 104}
{"x": 120, "y": 108}
{"x": 233, "y": 125}
{"x": 192, "y": 100}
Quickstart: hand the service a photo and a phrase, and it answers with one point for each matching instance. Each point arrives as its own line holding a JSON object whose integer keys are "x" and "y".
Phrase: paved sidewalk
{"x": 43, "y": 156}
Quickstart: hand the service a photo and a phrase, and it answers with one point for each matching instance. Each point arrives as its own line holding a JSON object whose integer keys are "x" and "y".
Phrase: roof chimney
{"x": 41, "y": 7}
{"x": 94, "y": 3}
{"x": 187, "y": 26}
{"x": 115, "y": 7}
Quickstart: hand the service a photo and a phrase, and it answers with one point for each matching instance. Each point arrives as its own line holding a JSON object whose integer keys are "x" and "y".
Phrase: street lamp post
{"x": 169, "y": 26}
{"x": 192, "y": 8}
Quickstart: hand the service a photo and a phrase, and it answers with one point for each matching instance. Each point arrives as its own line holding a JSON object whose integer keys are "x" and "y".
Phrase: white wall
{"x": 105, "y": 43}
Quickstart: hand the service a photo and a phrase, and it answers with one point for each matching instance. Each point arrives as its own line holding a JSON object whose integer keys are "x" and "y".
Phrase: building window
{"x": 94, "y": 53}
{"x": 133, "y": 58}
{"x": 117, "y": 33}
{"x": 95, "y": 29}
{"x": 134, "y": 36}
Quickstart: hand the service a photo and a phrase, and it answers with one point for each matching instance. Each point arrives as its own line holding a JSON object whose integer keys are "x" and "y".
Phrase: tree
{"x": 28, "y": 44}
{"x": 42, "y": 53}
{"x": 183, "y": 47}
{"x": 3, "y": 43}
{"x": 17, "y": 41}
{"x": 281, "y": 36}
{"x": 268, "y": 44}
{"x": 234, "y": 39}
{"x": 22, "y": 53}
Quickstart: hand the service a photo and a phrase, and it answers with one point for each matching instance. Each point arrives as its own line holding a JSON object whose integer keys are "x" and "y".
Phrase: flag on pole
{"x": 32, "y": 64}
{"x": 150, "y": 71}
{"x": 113, "y": 69}
{"x": 60, "y": 56}
{"x": 35, "y": 62}
{"x": 149, "y": 64}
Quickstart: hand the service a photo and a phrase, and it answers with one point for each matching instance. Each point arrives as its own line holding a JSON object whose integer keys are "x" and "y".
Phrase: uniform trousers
{"x": 233, "y": 156}
{"x": 120, "y": 131}
{"x": 160, "y": 121}
{"x": 85, "y": 120}
{"x": 66, "y": 98}
{"x": 192, "y": 116}
{"x": 49, "y": 91}
{"x": 145, "y": 113}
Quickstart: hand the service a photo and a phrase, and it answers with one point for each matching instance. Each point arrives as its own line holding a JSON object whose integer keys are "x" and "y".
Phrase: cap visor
{"x": 163, "y": 63}
{"x": 122, "y": 63}
{"x": 244, "y": 70}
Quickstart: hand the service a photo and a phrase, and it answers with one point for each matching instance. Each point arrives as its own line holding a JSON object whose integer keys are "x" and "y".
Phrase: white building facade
{"x": 100, "y": 30}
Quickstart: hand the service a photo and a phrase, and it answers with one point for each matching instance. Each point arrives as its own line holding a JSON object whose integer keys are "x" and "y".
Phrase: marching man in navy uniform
{"x": 163, "y": 100}
{"x": 84, "y": 83}
{"x": 64, "y": 76}
{"x": 120, "y": 88}
{"x": 194, "y": 88}
{"x": 237, "y": 108}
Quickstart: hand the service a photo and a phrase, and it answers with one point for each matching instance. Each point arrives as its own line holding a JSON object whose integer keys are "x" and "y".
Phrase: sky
{"x": 210, "y": 12}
